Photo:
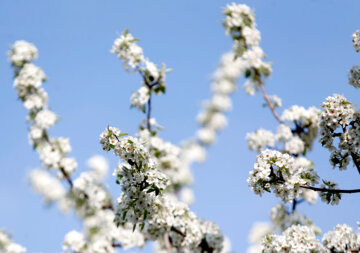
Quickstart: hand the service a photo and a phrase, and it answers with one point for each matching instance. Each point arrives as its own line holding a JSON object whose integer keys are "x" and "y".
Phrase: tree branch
{"x": 356, "y": 161}
{"x": 167, "y": 242}
{"x": 266, "y": 97}
{"x": 67, "y": 177}
{"x": 148, "y": 116}
{"x": 329, "y": 190}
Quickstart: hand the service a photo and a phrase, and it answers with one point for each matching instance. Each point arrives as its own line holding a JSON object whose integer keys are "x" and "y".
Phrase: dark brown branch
{"x": 116, "y": 245}
{"x": 67, "y": 177}
{"x": 329, "y": 190}
{"x": 174, "y": 229}
{"x": 356, "y": 161}
{"x": 294, "y": 203}
{"x": 353, "y": 155}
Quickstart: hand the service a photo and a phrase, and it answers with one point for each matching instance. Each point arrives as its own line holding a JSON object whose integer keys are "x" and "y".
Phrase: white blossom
{"x": 342, "y": 239}
{"x": 295, "y": 239}
{"x": 48, "y": 186}
{"x": 277, "y": 172}
{"x": 98, "y": 165}
{"x": 260, "y": 139}
{"x": 356, "y": 40}
{"x": 354, "y": 76}
{"x": 45, "y": 119}
{"x": 22, "y": 52}
{"x": 74, "y": 240}
{"x": 140, "y": 97}
{"x": 8, "y": 246}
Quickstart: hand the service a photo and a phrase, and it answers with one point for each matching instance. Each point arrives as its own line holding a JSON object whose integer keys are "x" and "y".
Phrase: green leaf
{"x": 122, "y": 134}
{"x": 142, "y": 225}
{"x": 124, "y": 215}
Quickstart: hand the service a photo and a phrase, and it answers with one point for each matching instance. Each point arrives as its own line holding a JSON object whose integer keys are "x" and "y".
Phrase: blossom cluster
{"x": 131, "y": 54}
{"x": 212, "y": 116}
{"x": 28, "y": 81}
{"x": 93, "y": 204}
{"x": 8, "y": 246}
{"x": 306, "y": 122}
{"x": 298, "y": 238}
{"x": 356, "y": 40}
{"x": 283, "y": 219}
{"x": 168, "y": 158}
{"x": 22, "y": 52}
{"x": 258, "y": 231}
{"x": 47, "y": 186}
{"x": 354, "y": 76}
{"x": 279, "y": 172}
{"x": 290, "y": 140}
{"x": 101, "y": 235}
{"x": 87, "y": 194}
{"x": 342, "y": 239}
{"x": 295, "y": 239}
{"x": 154, "y": 174}
{"x": 260, "y": 139}
{"x": 339, "y": 114}
{"x": 240, "y": 23}
{"x": 145, "y": 204}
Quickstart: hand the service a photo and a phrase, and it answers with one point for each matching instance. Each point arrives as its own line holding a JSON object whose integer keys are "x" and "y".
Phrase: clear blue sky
{"x": 309, "y": 43}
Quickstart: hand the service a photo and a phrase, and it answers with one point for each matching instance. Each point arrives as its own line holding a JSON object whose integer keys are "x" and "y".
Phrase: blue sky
{"x": 308, "y": 42}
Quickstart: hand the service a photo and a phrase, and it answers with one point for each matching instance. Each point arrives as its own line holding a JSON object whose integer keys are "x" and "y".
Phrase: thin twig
{"x": 294, "y": 206}
{"x": 266, "y": 97}
{"x": 148, "y": 116}
{"x": 67, "y": 177}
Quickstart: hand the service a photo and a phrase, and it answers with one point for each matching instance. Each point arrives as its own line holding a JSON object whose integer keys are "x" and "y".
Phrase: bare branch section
{"x": 330, "y": 190}
{"x": 266, "y": 97}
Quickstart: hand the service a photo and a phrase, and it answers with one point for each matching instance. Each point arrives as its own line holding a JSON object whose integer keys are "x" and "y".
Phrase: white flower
{"x": 206, "y": 135}
{"x": 99, "y": 166}
{"x": 278, "y": 172}
{"x": 68, "y": 164}
{"x": 342, "y": 239}
{"x": 356, "y": 40}
{"x": 295, "y": 239}
{"x": 29, "y": 75}
{"x": 8, "y": 246}
{"x": 48, "y": 186}
{"x": 354, "y": 76}
{"x": 187, "y": 195}
{"x": 140, "y": 98}
{"x": 310, "y": 196}
{"x": 74, "y": 240}
{"x": 21, "y": 52}
{"x": 260, "y": 139}
{"x": 294, "y": 145}
{"x": 127, "y": 50}
{"x": 258, "y": 231}
{"x": 45, "y": 119}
